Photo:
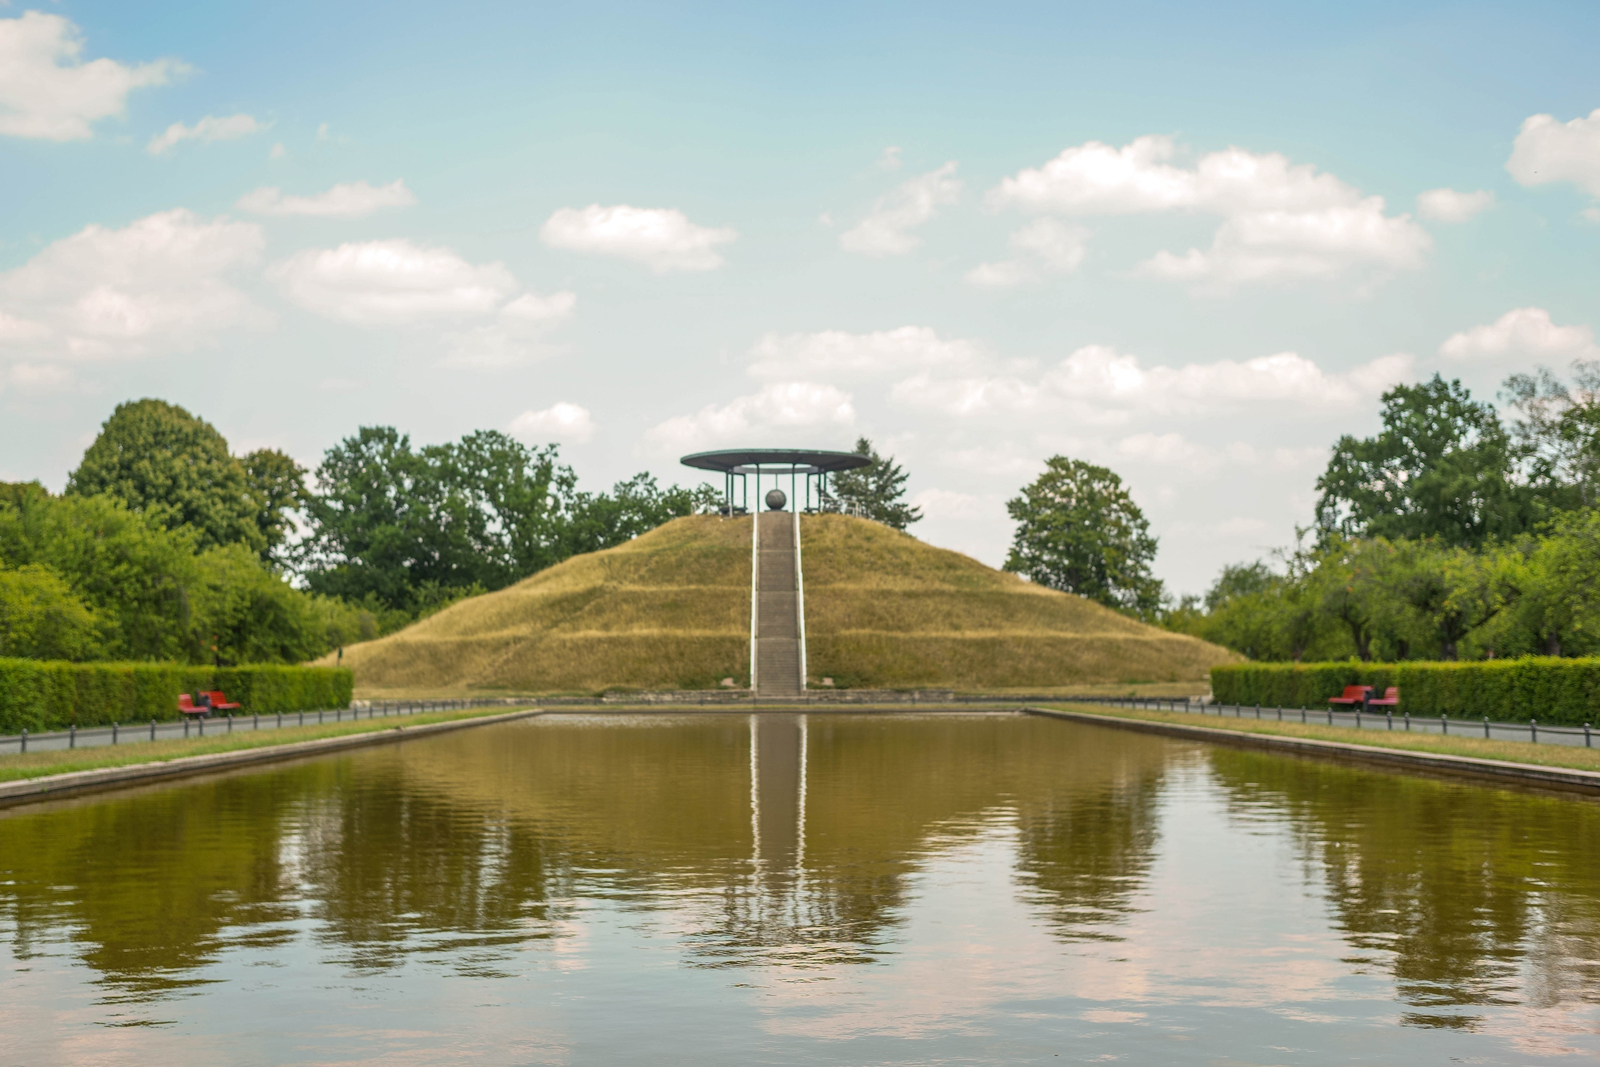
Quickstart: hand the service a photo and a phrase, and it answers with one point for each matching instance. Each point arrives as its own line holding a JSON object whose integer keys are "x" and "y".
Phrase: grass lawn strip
{"x": 17, "y": 767}
{"x": 1583, "y": 759}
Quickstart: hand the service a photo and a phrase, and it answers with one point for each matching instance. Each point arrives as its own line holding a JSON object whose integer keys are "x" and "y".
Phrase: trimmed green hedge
{"x": 52, "y": 695}
{"x": 1556, "y": 691}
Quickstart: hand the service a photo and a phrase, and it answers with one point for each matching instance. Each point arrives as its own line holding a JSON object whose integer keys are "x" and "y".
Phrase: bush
{"x": 1551, "y": 690}
{"x": 40, "y": 618}
{"x": 52, "y": 695}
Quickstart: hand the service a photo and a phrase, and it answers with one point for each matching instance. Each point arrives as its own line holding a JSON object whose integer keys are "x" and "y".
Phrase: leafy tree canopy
{"x": 1443, "y": 467}
{"x": 278, "y": 485}
{"x": 160, "y": 460}
{"x": 410, "y": 529}
{"x": 1079, "y": 530}
{"x": 876, "y": 491}
{"x": 41, "y": 618}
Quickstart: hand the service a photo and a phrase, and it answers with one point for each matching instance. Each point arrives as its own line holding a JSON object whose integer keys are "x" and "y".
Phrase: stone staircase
{"x": 777, "y": 629}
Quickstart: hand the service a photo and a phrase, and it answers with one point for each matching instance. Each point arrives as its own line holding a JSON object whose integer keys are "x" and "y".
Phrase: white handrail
{"x": 755, "y": 590}
{"x": 800, "y": 599}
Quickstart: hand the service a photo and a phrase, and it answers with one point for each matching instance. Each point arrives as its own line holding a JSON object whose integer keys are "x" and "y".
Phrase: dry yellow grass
{"x": 671, "y": 609}
{"x": 884, "y": 609}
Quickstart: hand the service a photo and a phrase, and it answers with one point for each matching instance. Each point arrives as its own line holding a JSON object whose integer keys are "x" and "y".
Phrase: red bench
{"x": 1390, "y": 698}
{"x": 1353, "y": 694}
{"x": 218, "y": 702}
{"x": 210, "y": 700}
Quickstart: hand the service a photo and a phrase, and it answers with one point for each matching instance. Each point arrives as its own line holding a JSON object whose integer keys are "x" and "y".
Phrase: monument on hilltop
{"x": 777, "y": 582}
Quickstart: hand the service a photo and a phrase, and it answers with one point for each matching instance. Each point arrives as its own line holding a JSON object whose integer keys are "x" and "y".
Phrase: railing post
{"x": 1444, "y": 724}
{"x": 186, "y": 726}
{"x": 1533, "y": 730}
{"x": 24, "y": 739}
{"x": 1388, "y": 718}
{"x": 72, "y": 735}
{"x": 1302, "y": 714}
{"x": 202, "y": 725}
{"x": 230, "y": 724}
{"x": 1330, "y": 714}
{"x": 152, "y": 729}
{"x": 1486, "y": 727}
{"x": 1407, "y": 714}
{"x": 113, "y": 733}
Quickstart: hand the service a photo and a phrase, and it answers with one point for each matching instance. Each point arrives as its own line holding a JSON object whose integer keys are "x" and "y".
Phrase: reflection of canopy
{"x": 775, "y": 462}
{"x": 804, "y": 460}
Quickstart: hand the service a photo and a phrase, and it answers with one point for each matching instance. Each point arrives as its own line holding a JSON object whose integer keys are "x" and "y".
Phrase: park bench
{"x": 1353, "y": 694}
{"x": 1390, "y": 698}
{"x": 218, "y": 701}
{"x": 204, "y": 703}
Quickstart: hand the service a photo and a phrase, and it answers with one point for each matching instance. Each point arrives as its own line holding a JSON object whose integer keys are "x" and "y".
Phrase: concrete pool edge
{"x": 51, "y": 787}
{"x": 1567, "y": 779}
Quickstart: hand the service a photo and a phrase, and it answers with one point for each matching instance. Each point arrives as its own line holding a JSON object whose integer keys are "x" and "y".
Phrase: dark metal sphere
{"x": 776, "y": 499}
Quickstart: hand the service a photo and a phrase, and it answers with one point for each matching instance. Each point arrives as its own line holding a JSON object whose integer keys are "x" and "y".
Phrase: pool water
{"x": 801, "y": 889}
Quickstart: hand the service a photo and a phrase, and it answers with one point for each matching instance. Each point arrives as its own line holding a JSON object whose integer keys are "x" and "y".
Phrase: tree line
{"x": 165, "y": 545}
{"x": 1454, "y": 533}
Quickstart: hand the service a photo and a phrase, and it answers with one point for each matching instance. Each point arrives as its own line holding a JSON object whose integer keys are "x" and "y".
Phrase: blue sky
{"x": 1144, "y": 234}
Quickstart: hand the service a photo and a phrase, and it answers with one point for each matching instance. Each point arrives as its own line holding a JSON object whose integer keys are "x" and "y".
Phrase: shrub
{"x": 52, "y": 695}
{"x": 1551, "y": 690}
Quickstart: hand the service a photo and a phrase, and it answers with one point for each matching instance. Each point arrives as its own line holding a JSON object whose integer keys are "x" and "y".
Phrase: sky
{"x": 1194, "y": 246}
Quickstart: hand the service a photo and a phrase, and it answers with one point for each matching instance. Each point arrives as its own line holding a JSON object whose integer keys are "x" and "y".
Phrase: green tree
{"x": 160, "y": 460}
{"x": 1079, "y": 530}
{"x": 1442, "y": 467}
{"x": 397, "y": 529}
{"x": 278, "y": 485}
{"x": 876, "y": 491}
{"x": 41, "y": 618}
{"x": 1558, "y": 429}
{"x": 153, "y": 595}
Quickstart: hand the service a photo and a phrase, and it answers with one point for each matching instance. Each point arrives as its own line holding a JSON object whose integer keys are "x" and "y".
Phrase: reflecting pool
{"x": 801, "y": 889}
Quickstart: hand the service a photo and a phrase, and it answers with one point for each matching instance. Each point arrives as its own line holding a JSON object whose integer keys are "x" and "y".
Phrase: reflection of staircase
{"x": 777, "y": 607}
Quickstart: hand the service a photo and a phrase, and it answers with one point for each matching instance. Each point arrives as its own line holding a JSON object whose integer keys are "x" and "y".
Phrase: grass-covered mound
{"x": 671, "y": 609}
{"x": 884, "y": 609}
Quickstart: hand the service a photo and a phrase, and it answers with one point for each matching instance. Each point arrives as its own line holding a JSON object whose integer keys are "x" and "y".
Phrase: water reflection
{"x": 1465, "y": 895}
{"x": 871, "y": 854}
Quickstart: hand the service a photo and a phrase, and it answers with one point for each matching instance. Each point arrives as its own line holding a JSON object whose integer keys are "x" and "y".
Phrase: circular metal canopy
{"x": 809, "y": 460}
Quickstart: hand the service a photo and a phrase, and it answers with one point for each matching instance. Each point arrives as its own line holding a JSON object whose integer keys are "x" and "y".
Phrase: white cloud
{"x": 385, "y": 283}
{"x": 563, "y": 422}
{"x": 1549, "y": 151}
{"x": 1447, "y": 205}
{"x": 161, "y": 281}
{"x": 515, "y": 335}
{"x": 1281, "y": 221}
{"x": 351, "y": 200}
{"x": 1098, "y": 384}
{"x": 890, "y": 160}
{"x": 823, "y": 410}
{"x": 835, "y": 353}
{"x": 1168, "y": 450}
{"x": 662, "y": 239}
{"x": 278, "y": 151}
{"x": 885, "y": 229}
{"x": 1045, "y": 243}
{"x": 209, "y": 128}
{"x": 48, "y": 92}
{"x": 949, "y": 504}
{"x": 1525, "y": 333}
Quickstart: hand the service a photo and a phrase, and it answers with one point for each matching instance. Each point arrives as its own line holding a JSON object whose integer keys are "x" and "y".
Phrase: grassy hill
{"x": 671, "y": 609}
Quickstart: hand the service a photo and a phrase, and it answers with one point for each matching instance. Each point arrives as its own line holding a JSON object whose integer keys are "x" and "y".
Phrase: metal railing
{"x": 134, "y": 733}
{"x": 1358, "y": 719}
